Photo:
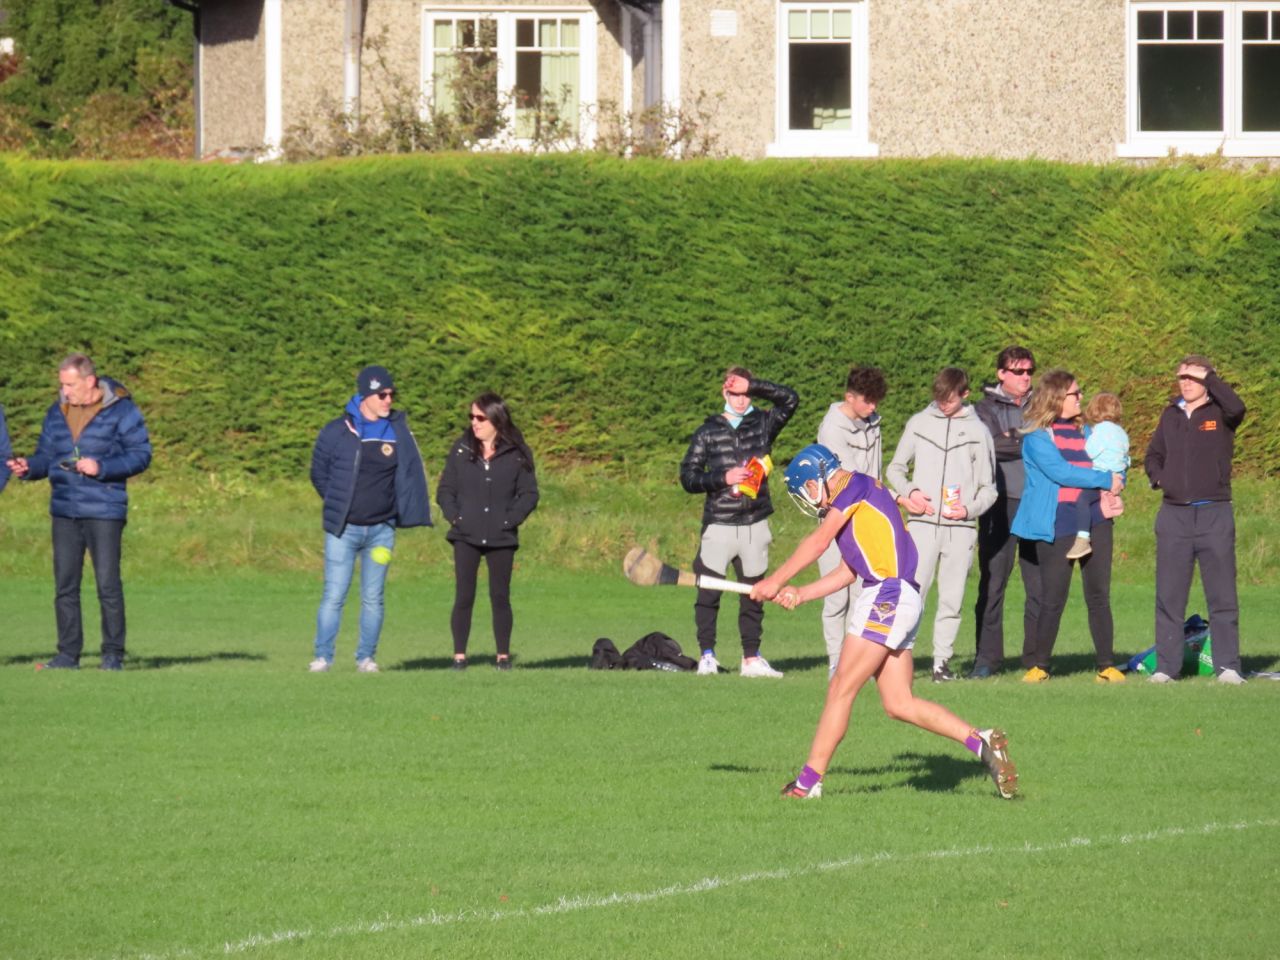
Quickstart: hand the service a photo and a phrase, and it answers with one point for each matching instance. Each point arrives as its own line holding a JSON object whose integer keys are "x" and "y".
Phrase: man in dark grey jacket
{"x": 1001, "y": 409}
{"x": 368, "y": 470}
{"x": 1189, "y": 461}
{"x": 735, "y": 527}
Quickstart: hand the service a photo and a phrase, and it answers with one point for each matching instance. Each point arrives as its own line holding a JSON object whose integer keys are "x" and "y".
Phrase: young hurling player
{"x": 859, "y": 514}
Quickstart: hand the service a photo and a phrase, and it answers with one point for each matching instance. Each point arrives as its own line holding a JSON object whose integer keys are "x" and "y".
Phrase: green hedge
{"x": 604, "y": 298}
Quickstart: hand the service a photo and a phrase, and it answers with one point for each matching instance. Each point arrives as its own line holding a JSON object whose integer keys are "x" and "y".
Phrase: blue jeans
{"x": 339, "y": 565}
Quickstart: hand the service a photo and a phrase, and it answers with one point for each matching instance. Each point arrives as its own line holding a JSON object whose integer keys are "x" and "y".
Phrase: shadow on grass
{"x": 136, "y": 663}
{"x": 928, "y": 772}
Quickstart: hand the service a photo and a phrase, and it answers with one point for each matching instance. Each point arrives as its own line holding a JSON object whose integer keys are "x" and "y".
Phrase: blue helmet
{"x": 814, "y": 462}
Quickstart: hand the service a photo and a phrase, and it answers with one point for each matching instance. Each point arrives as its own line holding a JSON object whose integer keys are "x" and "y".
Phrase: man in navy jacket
{"x": 368, "y": 470}
{"x": 92, "y": 441}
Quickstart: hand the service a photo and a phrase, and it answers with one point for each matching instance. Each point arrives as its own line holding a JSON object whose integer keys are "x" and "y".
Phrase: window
{"x": 1203, "y": 77}
{"x": 822, "y": 80}
{"x": 521, "y": 66}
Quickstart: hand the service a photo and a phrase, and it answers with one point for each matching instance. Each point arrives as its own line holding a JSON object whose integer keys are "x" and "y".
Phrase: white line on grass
{"x": 598, "y": 901}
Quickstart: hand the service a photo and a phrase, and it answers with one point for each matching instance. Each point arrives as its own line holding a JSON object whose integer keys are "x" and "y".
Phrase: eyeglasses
{"x": 479, "y": 418}
{"x": 386, "y": 394}
{"x": 1020, "y": 371}
{"x": 1073, "y": 393}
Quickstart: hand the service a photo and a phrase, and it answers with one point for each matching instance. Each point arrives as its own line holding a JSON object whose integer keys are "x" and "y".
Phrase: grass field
{"x": 215, "y": 799}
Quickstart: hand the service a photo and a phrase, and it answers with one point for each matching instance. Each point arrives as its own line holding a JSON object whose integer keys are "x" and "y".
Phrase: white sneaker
{"x": 708, "y": 666}
{"x": 758, "y": 667}
{"x": 319, "y": 665}
{"x": 1159, "y": 677}
{"x": 1231, "y": 677}
{"x": 366, "y": 666}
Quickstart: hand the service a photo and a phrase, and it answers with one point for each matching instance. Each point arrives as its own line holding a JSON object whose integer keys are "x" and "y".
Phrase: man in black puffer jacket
{"x": 735, "y": 528}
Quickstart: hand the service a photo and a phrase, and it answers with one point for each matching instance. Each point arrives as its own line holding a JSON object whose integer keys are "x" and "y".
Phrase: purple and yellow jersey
{"x": 874, "y": 541}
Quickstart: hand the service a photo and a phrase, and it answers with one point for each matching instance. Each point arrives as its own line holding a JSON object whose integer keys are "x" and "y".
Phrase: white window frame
{"x": 505, "y": 17}
{"x": 823, "y": 143}
{"x": 1232, "y": 141}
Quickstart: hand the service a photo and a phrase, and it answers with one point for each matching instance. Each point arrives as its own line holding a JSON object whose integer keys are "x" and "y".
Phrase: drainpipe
{"x": 353, "y": 45}
{"x": 194, "y": 9}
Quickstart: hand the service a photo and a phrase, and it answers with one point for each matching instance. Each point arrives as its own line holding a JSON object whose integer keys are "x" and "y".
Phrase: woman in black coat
{"x": 486, "y": 491}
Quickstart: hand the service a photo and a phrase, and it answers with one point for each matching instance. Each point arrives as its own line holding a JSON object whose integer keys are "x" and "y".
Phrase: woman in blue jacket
{"x": 1058, "y": 471}
{"x": 488, "y": 488}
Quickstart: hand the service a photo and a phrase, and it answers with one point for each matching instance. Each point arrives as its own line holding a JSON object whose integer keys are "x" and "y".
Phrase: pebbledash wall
{"x": 1003, "y": 78}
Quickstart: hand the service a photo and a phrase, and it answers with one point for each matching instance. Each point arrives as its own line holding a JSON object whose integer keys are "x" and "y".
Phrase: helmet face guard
{"x": 813, "y": 464}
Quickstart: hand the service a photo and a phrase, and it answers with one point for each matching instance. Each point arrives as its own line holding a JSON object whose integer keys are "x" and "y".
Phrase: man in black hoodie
{"x": 1189, "y": 460}
{"x": 735, "y": 527}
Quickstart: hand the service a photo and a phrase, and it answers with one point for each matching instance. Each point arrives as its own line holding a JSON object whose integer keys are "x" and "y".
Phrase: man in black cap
{"x": 368, "y": 471}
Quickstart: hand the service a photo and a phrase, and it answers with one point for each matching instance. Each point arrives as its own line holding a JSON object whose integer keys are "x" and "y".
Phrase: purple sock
{"x": 808, "y": 777}
{"x": 973, "y": 742}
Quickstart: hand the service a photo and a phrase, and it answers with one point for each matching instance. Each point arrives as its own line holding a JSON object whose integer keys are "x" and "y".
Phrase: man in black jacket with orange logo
{"x": 735, "y": 527}
{"x": 1189, "y": 460}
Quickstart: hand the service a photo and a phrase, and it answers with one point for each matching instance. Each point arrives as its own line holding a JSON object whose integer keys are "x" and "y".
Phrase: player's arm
{"x": 810, "y": 549}
{"x": 837, "y": 579}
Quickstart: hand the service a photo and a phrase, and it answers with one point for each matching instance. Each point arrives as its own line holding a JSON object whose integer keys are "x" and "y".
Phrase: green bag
{"x": 1197, "y": 658}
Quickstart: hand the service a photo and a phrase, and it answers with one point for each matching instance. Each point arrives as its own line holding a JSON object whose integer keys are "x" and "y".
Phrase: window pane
{"x": 798, "y": 24}
{"x": 1209, "y": 25}
{"x": 820, "y": 25}
{"x": 466, "y": 33}
{"x": 1275, "y": 25}
{"x": 1262, "y": 88}
{"x": 1255, "y": 24}
{"x": 569, "y": 34}
{"x": 489, "y": 34}
{"x": 547, "y": 34}
{"x": 528, "y": 78}
{"x": 841, "y": 24}
{"x": 1180, "y": 87}
{"x": 442, "y": 34}
{"x": 821, "y": 84}
{"x": 1151, "y": 25}
{"x": 1181, "y": 25}
{"x": 524, "y": 33}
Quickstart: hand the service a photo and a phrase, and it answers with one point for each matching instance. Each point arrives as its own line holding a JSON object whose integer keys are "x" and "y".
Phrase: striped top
{"x": 874, "y": 542}
{"x": 1070, "y": 440}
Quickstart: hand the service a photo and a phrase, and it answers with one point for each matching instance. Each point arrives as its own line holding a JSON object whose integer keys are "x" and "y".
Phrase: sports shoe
{"x": 319, "y": 665}
{"x": 366, "y": 666}
{"x": 708, "y": 665}
{"x": 60, "y": 662}
{"x": 1231, "y": 677}
{"x": 1081, "y": 548}
{"x": 1160, "y": 677}
{"x": 1109, "y": 675}
{"x": 995, "y": 754}
{"x": 981, "y": 672}
{"x": 111, "y": 661}
{"x": 942, "y": 673}
{"x": 797, "y": 792}
{"x": 459, "y": 663}
{"x": 758, "y": 667}
{"x": 1035, "y": 675}
{"x": 503, "y": 663}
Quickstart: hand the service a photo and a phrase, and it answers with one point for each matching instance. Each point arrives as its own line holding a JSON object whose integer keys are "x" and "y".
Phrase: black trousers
{"x": 1185, "y": 536}
{"x": 1055, "y": 584}
{"x": 466, "y": 567}
{"x": 706, "y": 608}
{"x": 997, "y": 551}
{"x": 101, "y": 538}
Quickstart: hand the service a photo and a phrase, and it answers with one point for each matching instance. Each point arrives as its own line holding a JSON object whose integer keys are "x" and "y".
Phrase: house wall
{"x": 232, "y": 74}
{"x": 992, "y": 77}
{"x": 312, "y": 65}
{"x": 1007, "y": 78}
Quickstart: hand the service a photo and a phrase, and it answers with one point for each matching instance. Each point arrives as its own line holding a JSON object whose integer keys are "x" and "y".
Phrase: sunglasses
{"x": 479, "y": 418}
{"x": 385, "y": 394}
{"x": 1073, "y": 393}
{"x": 1020, "y": 371}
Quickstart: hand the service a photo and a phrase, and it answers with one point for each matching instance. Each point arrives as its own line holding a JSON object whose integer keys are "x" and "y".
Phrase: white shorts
{"x": 886, "y": 613}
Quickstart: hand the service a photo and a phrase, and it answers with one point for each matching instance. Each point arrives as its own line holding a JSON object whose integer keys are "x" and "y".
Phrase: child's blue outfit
{"x": 1108, "y": 448}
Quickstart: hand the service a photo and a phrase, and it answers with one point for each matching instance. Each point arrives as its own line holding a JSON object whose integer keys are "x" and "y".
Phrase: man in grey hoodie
{"x": 952, "y": 463}
{"x": 850, "y": 430}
